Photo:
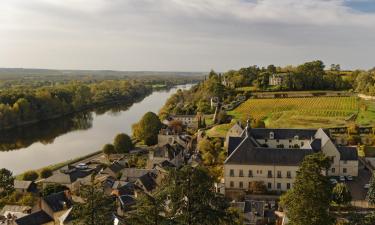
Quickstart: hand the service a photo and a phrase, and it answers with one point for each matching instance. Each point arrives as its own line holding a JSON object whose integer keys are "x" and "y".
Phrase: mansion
{"x": 273, "y": 156}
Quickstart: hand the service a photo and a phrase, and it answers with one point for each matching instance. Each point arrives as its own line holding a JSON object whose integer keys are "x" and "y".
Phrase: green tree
{"x": 308, "y": 201}
{"x": 108, "y": 149}
{"x": 147, "y": 128}
{"x": 192, "y": 201}
{"x": 45, "y": 172}
{"x": 6, "y": 182}
{"x": 371, "y": 191}
{"x": 149, "y": 210}
{"x": 341, "y": 194}
{"x": 30, "y": 175}
{"x": 123, "y": 143}
{"x": 97, "y": 208}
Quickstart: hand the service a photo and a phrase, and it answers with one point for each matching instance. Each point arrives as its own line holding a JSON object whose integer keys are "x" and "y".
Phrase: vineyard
{"x": 300, "y": 112}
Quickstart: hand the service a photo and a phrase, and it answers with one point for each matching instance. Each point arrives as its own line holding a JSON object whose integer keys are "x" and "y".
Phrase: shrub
{"x": 45, "y": 173}
{"x": 30, "y": 175}
{"x": 123, "y": 143}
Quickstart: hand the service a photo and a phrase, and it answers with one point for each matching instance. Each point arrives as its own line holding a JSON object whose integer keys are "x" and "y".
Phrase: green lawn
{"x": 303, "y": 112}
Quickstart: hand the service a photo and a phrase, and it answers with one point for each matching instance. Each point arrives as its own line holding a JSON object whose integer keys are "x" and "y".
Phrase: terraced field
{"x": 300, "y": 112}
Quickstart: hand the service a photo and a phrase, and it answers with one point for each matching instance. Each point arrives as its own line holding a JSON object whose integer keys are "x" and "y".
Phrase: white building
{"x": 273, "y": 156}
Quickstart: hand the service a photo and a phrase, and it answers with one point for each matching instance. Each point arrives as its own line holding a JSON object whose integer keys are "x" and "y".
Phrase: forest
{"x": 20, "y": 106}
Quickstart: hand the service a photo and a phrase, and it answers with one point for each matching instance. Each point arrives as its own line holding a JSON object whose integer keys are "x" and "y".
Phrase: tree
{"x": 97, "y": 208}
{"x": 45, "y": 172}
{"x": 176, "y": 126}
{"x": 108, "y": 149}
{"x": 6, "y": 182}
{"x": 30, "y": 175}
{"x": 147, "y": 128}
{"x": 53, "y": 188}
{"x": 123, "y": 143}
{"x": 309, "y": 200}
{"x": 341, "y": 194}
{"x": 371, "y": 191}
{"x": 257, "y": 187}
{"x": 147, "y": 211}
{"x": 191, "y": 199}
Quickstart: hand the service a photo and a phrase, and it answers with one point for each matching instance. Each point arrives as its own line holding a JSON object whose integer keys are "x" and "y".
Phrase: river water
{"x": 55, "y": 141}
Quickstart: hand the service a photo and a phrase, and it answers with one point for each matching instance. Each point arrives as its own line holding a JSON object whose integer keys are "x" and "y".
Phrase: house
{"x": 172, "y": 153}
{"x": 132, "y": 174}
{"x": 52, "y": 207}
{"x": 147, "y": 183}
{"x": 273, "y": 157}
{"x": 125, "y": 202}
{"x": 235, "y": 131}
{"x": 10, "y": 213}
{"x": 23, "y": 186}
{"x": 187, "y": 120}
{"x": 114, "y": 169}
{"x": 68, "y": 176}
{"x": 254, "y": 212}
{"x": 276, "y": 80}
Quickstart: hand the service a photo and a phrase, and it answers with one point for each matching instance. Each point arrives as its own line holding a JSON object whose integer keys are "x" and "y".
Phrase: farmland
{"x": 301, "y": 112}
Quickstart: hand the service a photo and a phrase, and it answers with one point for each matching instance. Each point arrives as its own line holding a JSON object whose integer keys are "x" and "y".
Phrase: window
{"x": 259, "y": 172}
{"x": 269, "y": 185}
{"x": 269, "y": 174}
{"x": 231, "y": 184}
{"x": 344, "y": 170}
{"x": 288, "y": 174}
{"x": 277, "y": 140}
{"x": 302, "y": 143}
{"x": 333, "y": 170}
{"x": 290, "y": 141}
{"x": 288, "y": 186}
{"x": 278, "y": 185}
{"x": 265, "y": 140}
{"x": 278, "y": 174}
{"x": 231, "y": 173}
{"x": 250, "y": 173}
{"x": 272, "y": 135}
{"x": 241, "y": 173}
{"x": 241, "y": 184}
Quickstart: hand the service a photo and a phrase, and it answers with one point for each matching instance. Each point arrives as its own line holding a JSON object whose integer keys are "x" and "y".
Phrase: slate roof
{"x": 37, "y": 218}
{"x": 22, "y": 184}
{"x": 114, "y": 167}
{"x": 148, "y": 181}
{"x": 246, "y": 153}
{"x": 233, "y": 142}
{"x": 127, "y": 200}
{"x": 68, "y": 177}
{"x": 316, "y": 144}
{"x": 348, "y": 153}
{"x": 58, "y": 201}
{"x": 264, "y": 133}
{"x": 168, "y": 150}
{"x": 132, "y": 174}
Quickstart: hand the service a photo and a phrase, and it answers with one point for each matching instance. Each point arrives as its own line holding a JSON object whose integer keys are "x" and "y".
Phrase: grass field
{"x": 303, "y": 112}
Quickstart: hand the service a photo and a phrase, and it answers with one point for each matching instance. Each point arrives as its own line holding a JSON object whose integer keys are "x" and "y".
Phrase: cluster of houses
{"x": 116, "y": 179}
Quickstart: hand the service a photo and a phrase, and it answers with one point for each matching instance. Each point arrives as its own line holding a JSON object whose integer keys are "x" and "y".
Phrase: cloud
{"x": 181, "y": 34}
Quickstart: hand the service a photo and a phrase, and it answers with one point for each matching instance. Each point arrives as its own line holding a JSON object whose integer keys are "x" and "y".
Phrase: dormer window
{"x": 296, "y": 137}
{"x": 272, "y": 135}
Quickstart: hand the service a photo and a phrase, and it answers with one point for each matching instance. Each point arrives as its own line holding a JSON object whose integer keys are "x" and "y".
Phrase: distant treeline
{"x": 20, "y": 106}
{"x": 14, "y": 77}
{"x": 306, "y": 77}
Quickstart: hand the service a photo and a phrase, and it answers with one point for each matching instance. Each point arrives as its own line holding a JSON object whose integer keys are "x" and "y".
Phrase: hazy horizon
{"x": 184, "y": 36}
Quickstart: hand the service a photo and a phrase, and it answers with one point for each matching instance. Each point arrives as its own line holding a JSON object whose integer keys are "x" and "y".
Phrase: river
{"x": 55, "y": 141}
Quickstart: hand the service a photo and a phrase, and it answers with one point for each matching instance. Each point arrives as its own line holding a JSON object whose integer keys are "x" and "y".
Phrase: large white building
{"x": 273, "y": 156}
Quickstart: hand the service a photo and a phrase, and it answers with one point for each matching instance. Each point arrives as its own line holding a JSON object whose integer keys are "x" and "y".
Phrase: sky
{"x": 185, "y": 35}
